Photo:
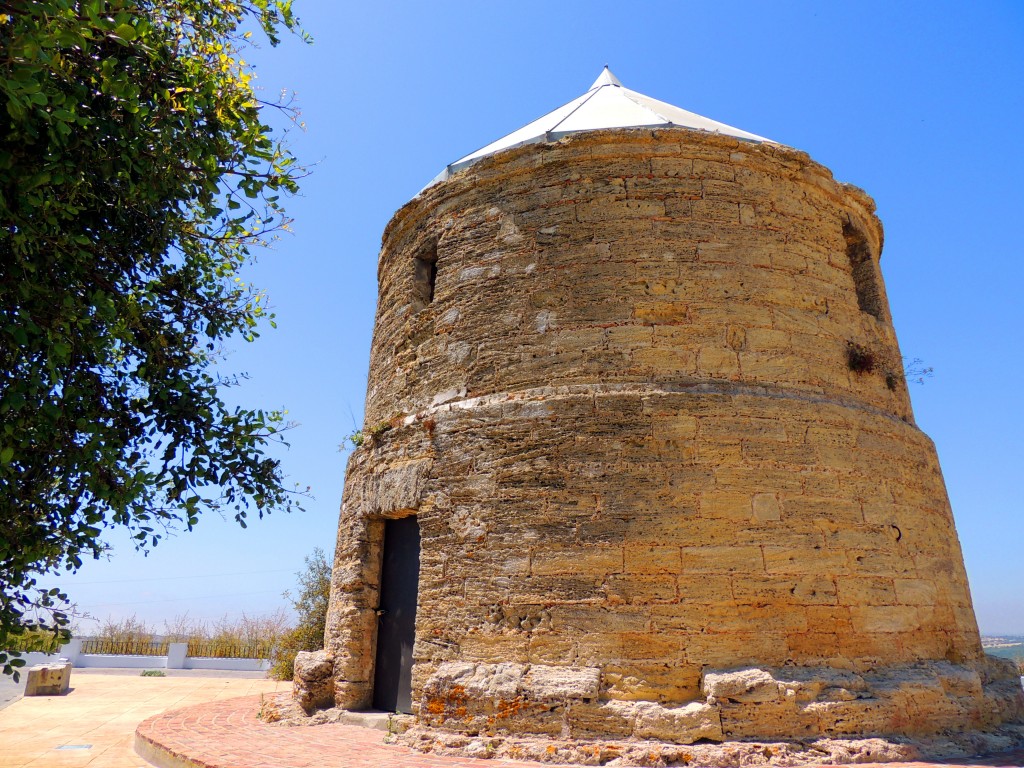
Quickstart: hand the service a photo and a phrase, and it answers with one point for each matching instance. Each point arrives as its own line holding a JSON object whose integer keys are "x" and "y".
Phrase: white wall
{"x": 176, "y": 658}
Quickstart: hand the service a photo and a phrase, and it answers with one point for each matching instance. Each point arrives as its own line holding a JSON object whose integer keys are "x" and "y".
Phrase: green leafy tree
{"x": 310, "y": 604}
{"x": 136, "y": 172}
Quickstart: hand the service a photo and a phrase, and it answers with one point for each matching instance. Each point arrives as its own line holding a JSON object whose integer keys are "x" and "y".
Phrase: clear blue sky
{"x": 919, "y": 103}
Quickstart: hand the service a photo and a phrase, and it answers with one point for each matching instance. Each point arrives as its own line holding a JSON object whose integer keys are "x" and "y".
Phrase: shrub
{"x": 310, "y": 604}
{"x": 128, "y": 630}
{"x": 245, "y": 637}
{"x": 35, "y": 639}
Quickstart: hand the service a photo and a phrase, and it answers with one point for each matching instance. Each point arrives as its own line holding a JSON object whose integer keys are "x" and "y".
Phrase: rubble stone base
{"x": 314, "y": 680}
{"x": 781, "y": 716}
{"x": 728, "y": 754}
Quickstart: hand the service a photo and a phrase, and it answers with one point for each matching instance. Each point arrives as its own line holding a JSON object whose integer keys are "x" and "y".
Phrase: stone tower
{"x": 640, "y": 457}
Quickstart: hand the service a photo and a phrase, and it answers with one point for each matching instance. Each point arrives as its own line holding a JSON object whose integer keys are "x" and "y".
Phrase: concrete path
{"x": 96, "y": 721}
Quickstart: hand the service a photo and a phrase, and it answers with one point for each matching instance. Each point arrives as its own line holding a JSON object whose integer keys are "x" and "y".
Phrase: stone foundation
{"x": 731, "y": 754}
{"x": 917, "y": 700}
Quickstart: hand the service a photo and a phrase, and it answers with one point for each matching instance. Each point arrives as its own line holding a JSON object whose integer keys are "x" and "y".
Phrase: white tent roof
{"x": 608, "y": 104}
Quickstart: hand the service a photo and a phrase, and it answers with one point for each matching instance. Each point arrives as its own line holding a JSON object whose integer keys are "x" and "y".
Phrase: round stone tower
{"x": 639, "y": 461}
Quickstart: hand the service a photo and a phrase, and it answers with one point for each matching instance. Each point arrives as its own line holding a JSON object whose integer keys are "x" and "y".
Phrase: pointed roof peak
{"x": 598, "y": 109}
{"x": 605, "y": 78}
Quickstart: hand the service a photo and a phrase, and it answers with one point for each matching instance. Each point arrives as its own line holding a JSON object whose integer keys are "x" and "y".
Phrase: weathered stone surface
{"x": 399, "y": 487}
{"x": 745, "y": 685}
{"x": 314, "y": 680}
{"x": 562, "y": 683}
{"x": 48, "y": 679}
{"x": 652, "y": 423}
{"x": 680, "y": 725}
{"x": 477, "y": 681}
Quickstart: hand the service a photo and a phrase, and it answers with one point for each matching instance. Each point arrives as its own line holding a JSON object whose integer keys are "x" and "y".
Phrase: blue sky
{"x": 919, "y": 103}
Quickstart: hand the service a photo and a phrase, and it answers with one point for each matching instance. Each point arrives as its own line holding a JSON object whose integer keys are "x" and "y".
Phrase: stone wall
{"x": 652, "y": 420}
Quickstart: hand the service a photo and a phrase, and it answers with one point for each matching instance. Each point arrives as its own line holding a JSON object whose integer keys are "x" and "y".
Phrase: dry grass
{"x": 265, "y": 629}
{"x": 244, "y": 637}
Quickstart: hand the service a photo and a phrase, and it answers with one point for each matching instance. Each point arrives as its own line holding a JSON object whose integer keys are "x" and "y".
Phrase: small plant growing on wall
{"x": 914, "y": 370}
{"x": 859, "y": 358}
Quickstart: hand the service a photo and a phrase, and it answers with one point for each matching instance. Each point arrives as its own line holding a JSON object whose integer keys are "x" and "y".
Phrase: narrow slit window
{"x": 424, "y": 276}
{"x": 865, "y": 272}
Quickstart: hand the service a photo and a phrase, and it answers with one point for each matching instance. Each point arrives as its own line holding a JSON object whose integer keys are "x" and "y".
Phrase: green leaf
{"x": 125, "y": 31}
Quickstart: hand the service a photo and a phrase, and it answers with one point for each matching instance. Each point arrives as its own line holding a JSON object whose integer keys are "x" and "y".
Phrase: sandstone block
{"x": 652, "y": 559}
{"x": 766, "y": 507}
{"x": 722, "y": 559}
{"x": 605, "y": 720}
{"x": 597, "y": 560}
{"x": 397, "y": 488}
{"x": 314, "y": 680}
{"x": 546, "y": 683}
{"x": 664, "y": 683}
{"x": 743, "y": 685}
{"x": 783, "y": 719}
{"x": 633, "y": 589}
{"x": 48, "y": 679}
{"x": 680, "y": 725}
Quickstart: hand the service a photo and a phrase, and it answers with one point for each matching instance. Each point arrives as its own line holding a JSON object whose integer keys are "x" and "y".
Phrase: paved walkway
{"x": 228, "y": 734}
{"x": 201, "y": 721}
{"x": 96, "y": 721}
{"x": 10, "y": 691}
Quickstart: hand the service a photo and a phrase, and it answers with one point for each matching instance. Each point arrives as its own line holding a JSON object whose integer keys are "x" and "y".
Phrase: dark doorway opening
{"x": 396, "y": 617}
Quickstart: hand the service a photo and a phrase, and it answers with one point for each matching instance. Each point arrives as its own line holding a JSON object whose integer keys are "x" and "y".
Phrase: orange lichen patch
{"x": 511, "y": 707}
{"x": 458, "y": 693}
{"x": 435, "y": 706}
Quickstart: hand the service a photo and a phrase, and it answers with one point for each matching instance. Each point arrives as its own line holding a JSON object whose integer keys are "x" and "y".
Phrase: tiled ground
{"x": 228, "y": 734}
{"x": 102, "y": 711}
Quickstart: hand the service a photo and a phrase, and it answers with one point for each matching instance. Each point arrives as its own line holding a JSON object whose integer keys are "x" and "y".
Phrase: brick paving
{"x": 229, "y": 734}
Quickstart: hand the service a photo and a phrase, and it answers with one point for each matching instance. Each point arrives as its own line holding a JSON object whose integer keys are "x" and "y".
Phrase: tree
{"x": 136, "y": 173}
{"x": 310, "y": 604}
